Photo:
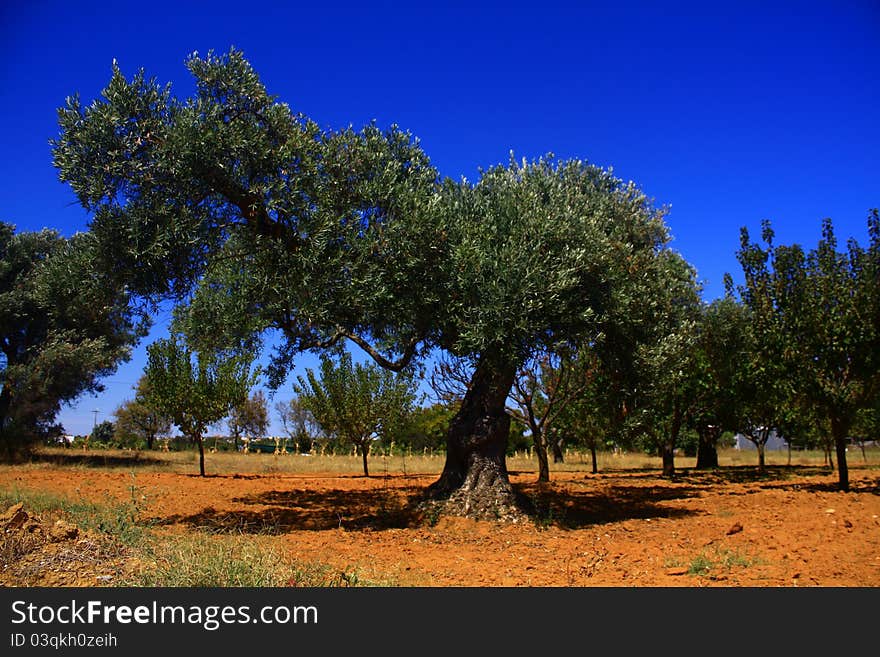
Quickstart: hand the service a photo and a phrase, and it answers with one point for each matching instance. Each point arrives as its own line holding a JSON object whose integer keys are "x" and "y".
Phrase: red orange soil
{"x": 630, "y": 528}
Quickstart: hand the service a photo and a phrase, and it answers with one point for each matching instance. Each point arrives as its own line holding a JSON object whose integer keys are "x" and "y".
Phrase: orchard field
{"x": 109, "y": 518}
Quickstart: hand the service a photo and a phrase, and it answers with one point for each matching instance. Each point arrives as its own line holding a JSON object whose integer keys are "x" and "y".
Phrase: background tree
{"x": 329, "y": 237}
{"x": 662, "y": 392}
{"x": 138, "y": 422}
{"x": 249, "y": 418}
{"x": 102, "y": 434}
{"x": 63, "y": 327}
{"x": 357, "y": 402}
{"x": 763, "y": 383}
{"x": 829, "y": 305}
{"x": 596, "y": 415}
{"x": 427, "y": 427}
{"x": 299, "y": 424}
{"x": 194, "y": 389}
{"x": 541, "y": 391}
{"x": 721, "y": 342}
{"x": 867, "y": 426}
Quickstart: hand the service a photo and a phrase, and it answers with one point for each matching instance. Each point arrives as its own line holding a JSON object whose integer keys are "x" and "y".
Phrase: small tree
{"x": 102, "y": 434}
{"x": 138, "y": 421}
{"x": 721, "y": 343}
{"x": 663, "y": 389}
{"x": 427, "y": 426}
{"x": 299, "y": 424}
{"x": 763, "y": 383}
{"x": 541, "y": 391}
{"x": 357, "y": 402}
{"x": 249, "y": 418}
{"x": 598, "y": 411}
{"x": 195, "y": 390}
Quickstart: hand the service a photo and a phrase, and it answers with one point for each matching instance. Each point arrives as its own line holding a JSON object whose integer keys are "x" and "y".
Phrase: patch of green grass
{"x": 115, "y": 519}
{"x": 700, "y": 565}
{"x": 202, "y": 559}
{"x": 718, "y": 561}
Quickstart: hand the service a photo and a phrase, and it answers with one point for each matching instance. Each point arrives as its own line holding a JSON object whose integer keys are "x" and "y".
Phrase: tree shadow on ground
{"x": 571, "y": 509}
{"x": 397, "y": 503}
{"x": 748, "y": 474}
{"x": 399, "y": 507}
{"x": 96, "y": 460}
{"x": 855, "y": 486}
{"x": 298, "y": 510}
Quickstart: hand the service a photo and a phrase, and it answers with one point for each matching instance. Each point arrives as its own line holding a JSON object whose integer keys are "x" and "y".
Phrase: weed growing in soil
{"x": 716, "y": 562}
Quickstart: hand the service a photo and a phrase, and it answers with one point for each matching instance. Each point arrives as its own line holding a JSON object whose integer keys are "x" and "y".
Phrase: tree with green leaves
{"x": 827, "y": 308}
{"x": 195, "y": 389}
{"x": 63, "y": 327}
{"x": 764, "y": 382}
{"x": 102, "y": 434}
{"x": 427, "y": 427}
{"x": 357, "y": 402}
{"x": 541, "y": 391}
{"x": 299, "y": 424}
{"x": 249, "y": 418}
{"x": 276, "y": 227}
{"x": 662, "y": 392}
{"x": 596, "y": 415}
{"x": 138, "y": 421}
{"x": 721, "y": 343}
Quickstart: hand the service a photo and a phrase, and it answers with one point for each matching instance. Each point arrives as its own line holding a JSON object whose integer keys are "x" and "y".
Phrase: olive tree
{"x": 63, "y": 327}
{"x": 275, "y": 227}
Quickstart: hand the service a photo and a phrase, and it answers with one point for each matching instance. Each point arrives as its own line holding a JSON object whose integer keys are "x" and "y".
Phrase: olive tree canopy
{"x": 272, "y": 226}
{"x": 63, "y": 328}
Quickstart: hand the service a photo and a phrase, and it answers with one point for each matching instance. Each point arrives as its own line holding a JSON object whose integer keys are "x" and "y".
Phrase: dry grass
{"x": 228, "y": 463}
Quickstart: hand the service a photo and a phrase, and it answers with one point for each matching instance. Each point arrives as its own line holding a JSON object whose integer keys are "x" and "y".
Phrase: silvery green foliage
{"x": 63, "y": 327}
{"x": 271, "y": 226}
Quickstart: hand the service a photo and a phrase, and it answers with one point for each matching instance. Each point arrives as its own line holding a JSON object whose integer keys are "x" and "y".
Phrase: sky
{"x": 728, "y": 114}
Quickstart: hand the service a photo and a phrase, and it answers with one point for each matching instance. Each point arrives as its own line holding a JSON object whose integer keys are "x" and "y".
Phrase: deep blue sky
{"x": 729, "y": 114}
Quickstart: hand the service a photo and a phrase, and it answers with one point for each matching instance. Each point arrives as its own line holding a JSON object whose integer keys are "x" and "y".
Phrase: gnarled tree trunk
{"x": 707, "y": 447}
{"x": 474, "y": 481}
{"x": 558, "y": 453}
{"x": 667, "y": 453}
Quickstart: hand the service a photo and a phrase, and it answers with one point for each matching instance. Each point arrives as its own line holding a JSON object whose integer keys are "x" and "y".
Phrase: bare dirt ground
{"x": 725, "y": 528}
